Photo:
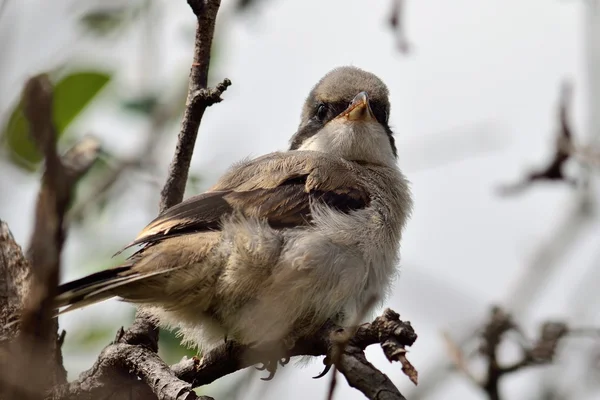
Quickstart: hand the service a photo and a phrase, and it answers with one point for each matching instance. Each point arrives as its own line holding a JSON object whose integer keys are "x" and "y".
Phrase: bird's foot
{"x": 279, "y": 357}
{"x": 339, "y": 335}
{"x": 271, "y": 366}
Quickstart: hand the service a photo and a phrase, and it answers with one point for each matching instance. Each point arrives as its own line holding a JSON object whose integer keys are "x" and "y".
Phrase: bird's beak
{"x": 359, "y": 109}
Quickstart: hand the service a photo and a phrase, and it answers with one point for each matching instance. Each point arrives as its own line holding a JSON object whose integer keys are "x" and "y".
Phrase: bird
{"x": 282, "y": 243}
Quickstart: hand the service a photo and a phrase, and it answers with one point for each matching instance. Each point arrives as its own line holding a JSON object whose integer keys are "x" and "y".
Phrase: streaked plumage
{"x": 283, "y": 242}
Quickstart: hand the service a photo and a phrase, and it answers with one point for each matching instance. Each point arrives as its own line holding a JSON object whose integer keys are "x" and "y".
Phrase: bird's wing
{"x": 278, "y": 187}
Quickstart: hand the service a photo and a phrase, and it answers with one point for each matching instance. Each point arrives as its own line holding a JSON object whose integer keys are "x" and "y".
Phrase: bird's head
{"x": 346, "y": 114}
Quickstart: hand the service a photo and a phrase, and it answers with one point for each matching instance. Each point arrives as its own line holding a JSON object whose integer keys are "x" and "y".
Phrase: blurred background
{"x": 475, "y": 92}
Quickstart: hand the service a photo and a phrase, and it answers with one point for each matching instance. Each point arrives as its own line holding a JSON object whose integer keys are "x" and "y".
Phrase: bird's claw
{"x": 271, "y": 375}
{"x": 271, "y": 366}
{"x": 328, "y": 364}
{"x": 278, "y": 356}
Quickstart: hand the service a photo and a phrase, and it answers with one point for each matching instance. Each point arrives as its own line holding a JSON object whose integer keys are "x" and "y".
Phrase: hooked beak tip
{"x": 359, "y": 109}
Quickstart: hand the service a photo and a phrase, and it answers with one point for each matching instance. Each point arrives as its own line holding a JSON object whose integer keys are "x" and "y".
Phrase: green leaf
{"x": 72, "y": 94}
{"x": 15, "y": 136}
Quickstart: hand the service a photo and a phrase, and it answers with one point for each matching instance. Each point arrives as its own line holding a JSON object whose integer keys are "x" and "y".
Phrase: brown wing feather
{"x": 279, "y": 187}
{"x": 198, "y": 213}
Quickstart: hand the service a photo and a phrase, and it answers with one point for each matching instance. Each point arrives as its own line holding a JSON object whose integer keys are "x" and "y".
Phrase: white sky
{"x": 483, "y": 76}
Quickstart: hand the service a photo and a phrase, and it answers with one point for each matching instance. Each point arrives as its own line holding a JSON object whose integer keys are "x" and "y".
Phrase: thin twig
{"x": 457, "y": 357}
{"x": 137, "y": 346}
{"x": 199, "y": 98}
{"x": 563, "y": 150}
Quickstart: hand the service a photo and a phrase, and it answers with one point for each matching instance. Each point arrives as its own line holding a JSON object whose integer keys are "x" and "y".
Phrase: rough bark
{"x": 31, "y": 358}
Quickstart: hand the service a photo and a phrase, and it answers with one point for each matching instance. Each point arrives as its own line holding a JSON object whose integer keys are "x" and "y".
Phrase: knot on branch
{"x": 209, "y": 96}
{"x": 391, "y": 328}
{"x": 393, "y": 335}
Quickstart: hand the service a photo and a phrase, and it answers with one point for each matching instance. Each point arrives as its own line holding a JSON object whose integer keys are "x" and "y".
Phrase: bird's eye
{"x": 321, "y": 112}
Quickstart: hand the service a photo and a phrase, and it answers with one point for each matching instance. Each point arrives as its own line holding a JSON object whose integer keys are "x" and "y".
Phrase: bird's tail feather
{"x": 99, "y": 286}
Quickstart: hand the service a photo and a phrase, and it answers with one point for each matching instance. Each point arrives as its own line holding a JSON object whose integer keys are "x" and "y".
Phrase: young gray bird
{"x": 283, "y": 242}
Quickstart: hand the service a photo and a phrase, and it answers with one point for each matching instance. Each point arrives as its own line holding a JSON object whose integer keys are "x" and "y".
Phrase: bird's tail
{"x": 103, "y": 285}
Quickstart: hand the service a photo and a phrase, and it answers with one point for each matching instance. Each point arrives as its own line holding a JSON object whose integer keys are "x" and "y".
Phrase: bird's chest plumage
{"x": 352, "y": 256}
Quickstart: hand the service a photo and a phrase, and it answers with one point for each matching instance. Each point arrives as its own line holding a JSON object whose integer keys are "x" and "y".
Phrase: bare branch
{"x": 541, "y": 352}
{"x": 563, "y": 150}
{"x": 115, "y": 366}
{"x": 199, "y": 98}
{"x": 385, "y": 330}
{"x": 36, "y": 358}
{"x": 48, "y": 235}
{"x": 140, "y": 356}
{"x": 176, "y": 382}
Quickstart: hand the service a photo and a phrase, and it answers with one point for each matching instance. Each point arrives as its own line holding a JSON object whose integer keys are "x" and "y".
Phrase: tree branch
{"x": 387, "y": 330}
{"x": 140, "y": 357}
{"x": 116, "y": 365}
{"x": 34, "y": 357}
{"x": 541, "y": 352}
{"x": 563, "y": 150}
{"x": 198, "y": 99}
{"x": 177, "y": 382}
